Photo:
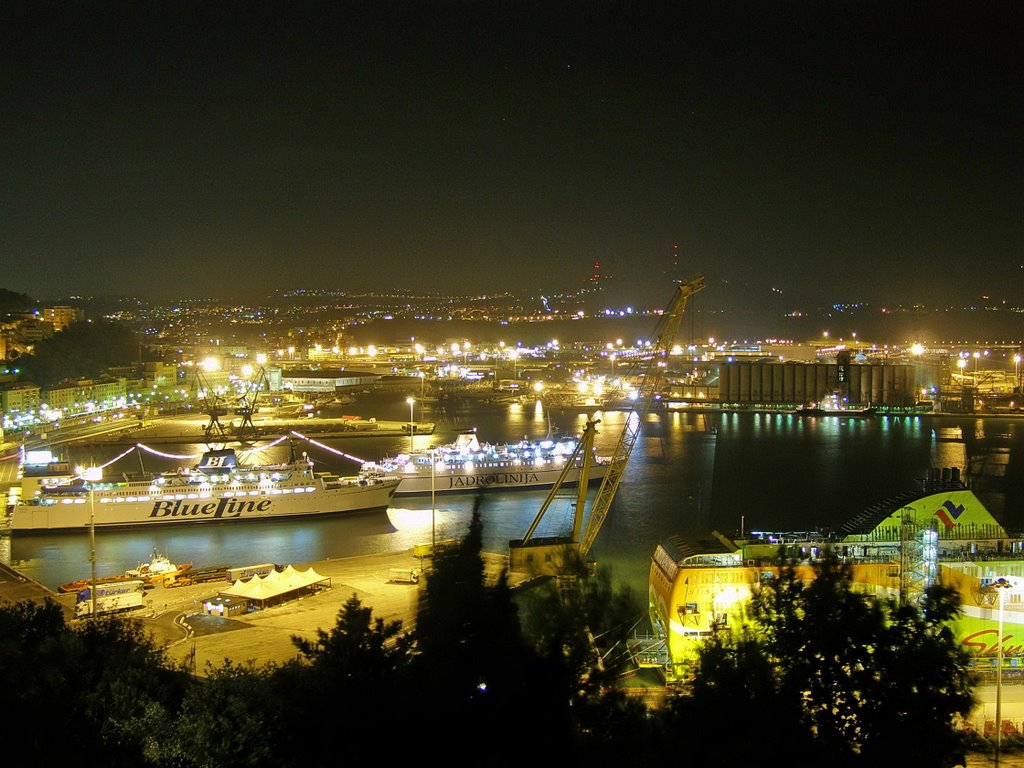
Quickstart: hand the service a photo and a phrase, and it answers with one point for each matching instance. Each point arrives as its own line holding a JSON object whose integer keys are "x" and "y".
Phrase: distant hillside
{"x": 698, "y": 325}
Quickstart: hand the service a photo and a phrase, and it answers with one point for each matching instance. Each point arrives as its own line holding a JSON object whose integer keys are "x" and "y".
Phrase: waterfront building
{"x": 750, "y": 383}
{"x": 326, "y": 380}
{"x": 84, "y": 395}
{"x": 19, "y": 397}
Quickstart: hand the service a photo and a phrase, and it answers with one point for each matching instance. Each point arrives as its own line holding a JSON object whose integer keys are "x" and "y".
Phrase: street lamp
{"x": 1016, "y": 373}
{"x": 412, "y": 426}
{"x": 92, "y": 475}
{"x": 433, "y": 507}
{"x": 1002, "y": 585}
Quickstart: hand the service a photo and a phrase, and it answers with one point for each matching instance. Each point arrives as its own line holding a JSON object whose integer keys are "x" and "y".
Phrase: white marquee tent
{"x": 277, "y": 586}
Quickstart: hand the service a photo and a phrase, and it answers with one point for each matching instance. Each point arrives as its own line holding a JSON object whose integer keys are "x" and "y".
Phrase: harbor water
{"x": 689, "y": 472}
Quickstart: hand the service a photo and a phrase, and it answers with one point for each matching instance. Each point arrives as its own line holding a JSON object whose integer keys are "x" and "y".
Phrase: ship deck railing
{"x": 888, "y": 554}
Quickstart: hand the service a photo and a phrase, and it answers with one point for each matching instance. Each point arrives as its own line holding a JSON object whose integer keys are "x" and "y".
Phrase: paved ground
{"x": 265, "y": 636}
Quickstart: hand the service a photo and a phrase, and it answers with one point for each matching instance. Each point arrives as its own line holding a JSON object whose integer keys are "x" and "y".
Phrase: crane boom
{"x": 651, "y": 374}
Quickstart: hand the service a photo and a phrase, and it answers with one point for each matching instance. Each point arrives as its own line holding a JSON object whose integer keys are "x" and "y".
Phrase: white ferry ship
{"x": 469, "y": 466}
{"x": 217, "y": 490}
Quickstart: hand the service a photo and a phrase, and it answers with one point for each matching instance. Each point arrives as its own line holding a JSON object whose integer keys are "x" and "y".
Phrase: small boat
{"x": 833, "y": 406}
{"x": 157, "y": 569}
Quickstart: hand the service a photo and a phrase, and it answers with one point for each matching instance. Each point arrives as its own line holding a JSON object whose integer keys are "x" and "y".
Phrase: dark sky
{"x": 833, "y": 151}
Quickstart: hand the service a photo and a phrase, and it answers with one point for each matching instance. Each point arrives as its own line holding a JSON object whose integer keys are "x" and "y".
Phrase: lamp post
{"x": 412, "y": 426}
{"x": 433, "y": 507}
{"x": 1016, "y": 373}
{"x": 1002, "y": 585}
{"x": 91, "y": 475}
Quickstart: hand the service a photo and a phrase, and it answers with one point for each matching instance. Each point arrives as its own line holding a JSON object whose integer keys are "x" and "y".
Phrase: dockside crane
{"x": 214, "y": 406}
{"x": 647, "y": 374}
{"x": 256, "y": 383}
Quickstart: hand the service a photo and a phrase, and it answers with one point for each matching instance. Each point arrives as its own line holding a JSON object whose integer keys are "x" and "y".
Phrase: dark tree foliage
{"x": 362, "y": 662}
{"x": 229, "y": 719}
{"x": 829, "y": 673}
{"x": 818, "y": 674}
{"x": 11, "y": 302}
{"x": 473, "y": 665}
{"x": 82, "y": 350}
{"x": 94, "y": 694}
{"x": 580, "y": 624}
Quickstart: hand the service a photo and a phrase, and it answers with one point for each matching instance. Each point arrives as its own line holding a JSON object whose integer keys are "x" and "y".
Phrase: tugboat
{"x": 157, "y": 569}
{"x": 833, "y": 406}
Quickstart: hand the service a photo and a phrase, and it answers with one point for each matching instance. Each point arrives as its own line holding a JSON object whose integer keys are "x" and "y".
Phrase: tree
{"x": 472, "y": 665}
{"x": 12, "y": 302}
{"x": 830, "y": 673}
{"x": 82, "y": 350}
{"x": 580, "y": 624}
{"x": 363, "y": 662}
{"x": 228, "y": 719}
{"x": 97, "y": 693}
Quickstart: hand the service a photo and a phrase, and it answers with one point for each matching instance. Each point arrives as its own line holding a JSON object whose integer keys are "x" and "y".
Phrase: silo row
{"x": 794, "y": 383}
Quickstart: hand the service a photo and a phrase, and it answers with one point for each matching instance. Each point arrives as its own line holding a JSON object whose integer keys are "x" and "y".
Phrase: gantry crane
{"x": 247, "y": 404}
{"x": 647, "y": 373}
{"x": 213, "y": 404}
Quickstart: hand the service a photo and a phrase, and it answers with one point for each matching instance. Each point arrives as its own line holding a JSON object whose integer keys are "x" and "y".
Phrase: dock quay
{"x": 177, "y": 622}
{"x": 191, "y": 430}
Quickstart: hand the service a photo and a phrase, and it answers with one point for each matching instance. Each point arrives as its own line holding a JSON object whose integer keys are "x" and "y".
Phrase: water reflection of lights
{"x": 415, "y": 520}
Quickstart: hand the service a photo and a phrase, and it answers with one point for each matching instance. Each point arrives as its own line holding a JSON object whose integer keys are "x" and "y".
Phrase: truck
{"x": 403, "y": 575}
{"x": 112, "y": 597}
{"x": 246, "y": 572}
{"x": 197, "y": 576}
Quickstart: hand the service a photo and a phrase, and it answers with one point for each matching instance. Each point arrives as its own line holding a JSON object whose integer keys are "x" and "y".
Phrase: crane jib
{"x": 650, "y": 376}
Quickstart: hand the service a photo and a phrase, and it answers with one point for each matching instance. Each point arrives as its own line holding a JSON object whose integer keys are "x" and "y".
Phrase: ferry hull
{"x": 74, "y": 514}
{"x": 504, "y": 479}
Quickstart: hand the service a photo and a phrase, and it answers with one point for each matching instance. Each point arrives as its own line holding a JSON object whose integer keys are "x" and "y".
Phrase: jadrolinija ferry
{"x": 469, "y": 465}
{"x": 940, "y": 532}
{"x": 217, "y": 490}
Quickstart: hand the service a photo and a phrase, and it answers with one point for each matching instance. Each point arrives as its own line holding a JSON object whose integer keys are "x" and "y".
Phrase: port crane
{"x": 647, "y": 374}
{"x": 214, "y": 405}
{"x": 246, "y": 407}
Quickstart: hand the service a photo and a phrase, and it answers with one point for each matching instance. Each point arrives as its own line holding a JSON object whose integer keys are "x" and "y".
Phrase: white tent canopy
{"x": 275, "y": 584}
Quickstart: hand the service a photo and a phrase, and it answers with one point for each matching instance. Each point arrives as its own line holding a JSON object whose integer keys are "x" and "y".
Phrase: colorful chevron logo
{"x": 948, "y": 513}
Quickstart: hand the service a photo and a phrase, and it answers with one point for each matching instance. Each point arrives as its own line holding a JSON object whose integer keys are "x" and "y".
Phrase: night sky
{"x": 789, "y": 151}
